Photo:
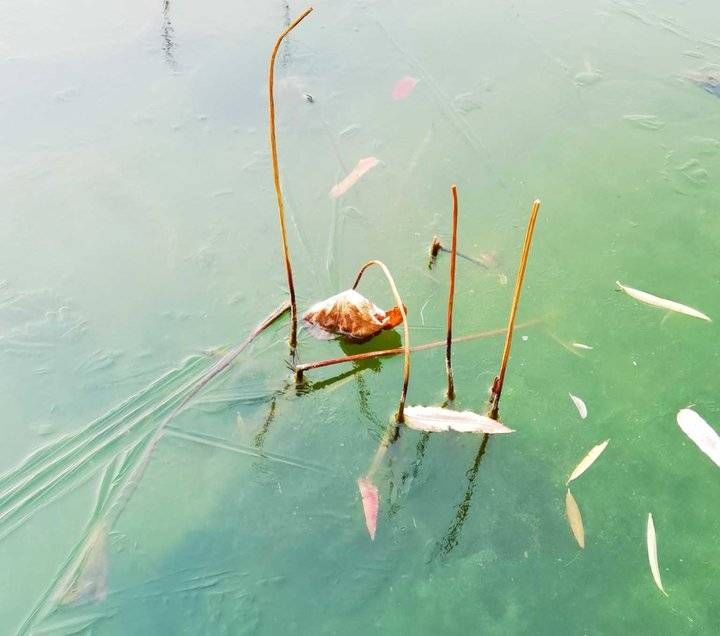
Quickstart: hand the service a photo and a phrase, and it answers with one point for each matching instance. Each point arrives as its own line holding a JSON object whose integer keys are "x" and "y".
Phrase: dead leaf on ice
{"x": 435, "y": 419}
{"x": 575, "y": 519}
{"x": 701, "y": 433}
{"x": 368, "y": 163}
{"x": 370, "y": 503}
{"x": 588, "y": 460}
{"x": 652, "y": 553}
{"x": 579, "y": 405}
{"x": 662, "y": 303}
{"x": 350, "y": 315}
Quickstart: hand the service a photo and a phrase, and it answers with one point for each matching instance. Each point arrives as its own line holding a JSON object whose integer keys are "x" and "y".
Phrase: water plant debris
{"x": 574, "y": 518}
{"x": 435, "y": 419}
{"x": 588, "y": 460}
{"x": 701, "y": 433}
{"x": 349, "y": 315}
{"x": 662, "y": 303}
{"x": 652, "y": 553}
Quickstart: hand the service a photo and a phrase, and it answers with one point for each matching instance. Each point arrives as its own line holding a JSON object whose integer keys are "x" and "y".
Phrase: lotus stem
{"x": 451, "y": 297}
{"x": 276, "y": 180}
{"x": 406, "y": 341}
{"x": 369, "y": 355}
{"x": 497, "y": 386}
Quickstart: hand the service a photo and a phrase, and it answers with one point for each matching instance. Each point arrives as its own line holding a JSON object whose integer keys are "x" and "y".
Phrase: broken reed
{"x": 497, "y": 386}
{"x": 451, "y": 296}
{"x": 276, "y": 179}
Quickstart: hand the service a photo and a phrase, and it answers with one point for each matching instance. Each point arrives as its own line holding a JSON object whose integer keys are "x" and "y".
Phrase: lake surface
{"x": 140, "y": 243}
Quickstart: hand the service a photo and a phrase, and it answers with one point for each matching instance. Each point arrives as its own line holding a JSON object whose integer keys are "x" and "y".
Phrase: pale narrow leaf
{"x": 368, "y": 163}
{"x": 652, "y": 554}
{"x": 575, "y": 518}
{"x": 434, "y": 419}
{"x": 700, "y": 432}
{"x": 588, "y": 460}
{"x": 579, "y": 405}
{"x": 370, "y": 503}
{"x": 580, "y": 345}
{"x": 662, "y": 303}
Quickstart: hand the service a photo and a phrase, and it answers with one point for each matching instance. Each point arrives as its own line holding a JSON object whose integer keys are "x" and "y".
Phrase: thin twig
{"x": 276, "y": 180}
{"x": 406, "y": 341}
{"x": 500, "y": 378}
{"x": 451, "y": 297}
{"x": 369, "y": 355}
{"x": 435, "y": 247}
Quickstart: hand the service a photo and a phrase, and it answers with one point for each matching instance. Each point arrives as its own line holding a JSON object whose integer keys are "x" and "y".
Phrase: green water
{"x": 140, "y": 244}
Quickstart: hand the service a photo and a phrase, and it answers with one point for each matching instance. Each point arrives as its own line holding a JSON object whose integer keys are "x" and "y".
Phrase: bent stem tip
{"x": 406, "y": 344}
{"x": 524, "y": 254}
{"x": 276, "y": 179}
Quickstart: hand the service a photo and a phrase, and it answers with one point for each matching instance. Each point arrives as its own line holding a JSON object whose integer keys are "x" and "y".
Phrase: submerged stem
{"x": 406, "y": 341}
{"x": 500, "y": 378}
{"x": 451, "y": 297}
{"x": 276, "y": 180}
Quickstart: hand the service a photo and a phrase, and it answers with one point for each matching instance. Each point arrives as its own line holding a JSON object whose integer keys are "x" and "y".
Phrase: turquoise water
{"x": 141, "y": 245}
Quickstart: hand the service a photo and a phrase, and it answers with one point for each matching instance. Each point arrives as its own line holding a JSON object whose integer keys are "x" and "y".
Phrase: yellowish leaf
{"x": 575, "y": 518}
{"x": 652, "y": 554}
{"x": 588, "y": 460}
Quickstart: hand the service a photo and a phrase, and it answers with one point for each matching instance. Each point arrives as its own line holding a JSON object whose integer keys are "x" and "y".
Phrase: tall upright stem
{"x": 500, "y": 378}
{"x": 276, "y": 180}
{"x": 451, "y": 297}
{"x": 406, "y": 340}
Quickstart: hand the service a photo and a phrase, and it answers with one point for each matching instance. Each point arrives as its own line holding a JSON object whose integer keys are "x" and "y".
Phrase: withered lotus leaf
{"x": 349, "y": 315}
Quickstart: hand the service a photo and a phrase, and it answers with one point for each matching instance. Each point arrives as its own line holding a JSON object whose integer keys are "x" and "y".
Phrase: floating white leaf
{"x": 700, "y": 432}
{"x": 662, "y": 303}
{"x": 575, "y": 518}
{"x": 580, "y": 345}
{"x": 579, "y": 405}
{"x": 588, "y": 460}
{"x": 370, "y": 503}
{"x": 652, "y": 554}
{"x": 434, "y": 419}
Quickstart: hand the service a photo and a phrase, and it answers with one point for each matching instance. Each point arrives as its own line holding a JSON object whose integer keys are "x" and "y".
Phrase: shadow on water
{"x": 386, "y": 340}
{"x": 167, "y": 34}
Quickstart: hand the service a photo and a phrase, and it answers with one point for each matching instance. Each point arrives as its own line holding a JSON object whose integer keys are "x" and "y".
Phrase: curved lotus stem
{"x": 406, "y": 339}
{"x": 451, "y": 296}
{"x": 276, "y": 179}
{"x": 500, "y": 378}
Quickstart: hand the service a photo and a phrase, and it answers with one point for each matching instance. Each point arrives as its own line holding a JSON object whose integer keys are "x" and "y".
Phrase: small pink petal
{"x": 403, "y": 87}
{"x": 368, "y": 163}
{"x": 371, "y": 503}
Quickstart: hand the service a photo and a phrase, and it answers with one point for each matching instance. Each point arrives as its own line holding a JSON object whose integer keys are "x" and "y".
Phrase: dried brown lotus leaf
{"x": 349, "y": 315}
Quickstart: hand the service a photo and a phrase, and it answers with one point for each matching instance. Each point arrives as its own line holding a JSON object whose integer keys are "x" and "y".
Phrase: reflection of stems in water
{"x": 260, "y": 435}
{"x": 167, "y": 36}
{"x": 276, "y": 180}
{"x": 451, "y": 297}
{"x": 301, "y": 368}
{"x": 500, "y": 378}
{"x": 451, "y": 538}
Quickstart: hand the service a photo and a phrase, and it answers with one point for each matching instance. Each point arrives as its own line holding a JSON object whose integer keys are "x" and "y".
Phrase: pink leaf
{"x": 371, "y": 503}
{"x": 403, "y": 87}
{"x": 368, "y": 163}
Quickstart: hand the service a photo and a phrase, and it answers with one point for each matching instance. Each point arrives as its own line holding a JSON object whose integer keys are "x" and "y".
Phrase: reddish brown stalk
{"x": 451, "y": 296}
{"x": 369, "y": 355}
{"x": 276, "y": 180}
{"x": 406, "y": 341}
{"x": 500, "y": 378}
